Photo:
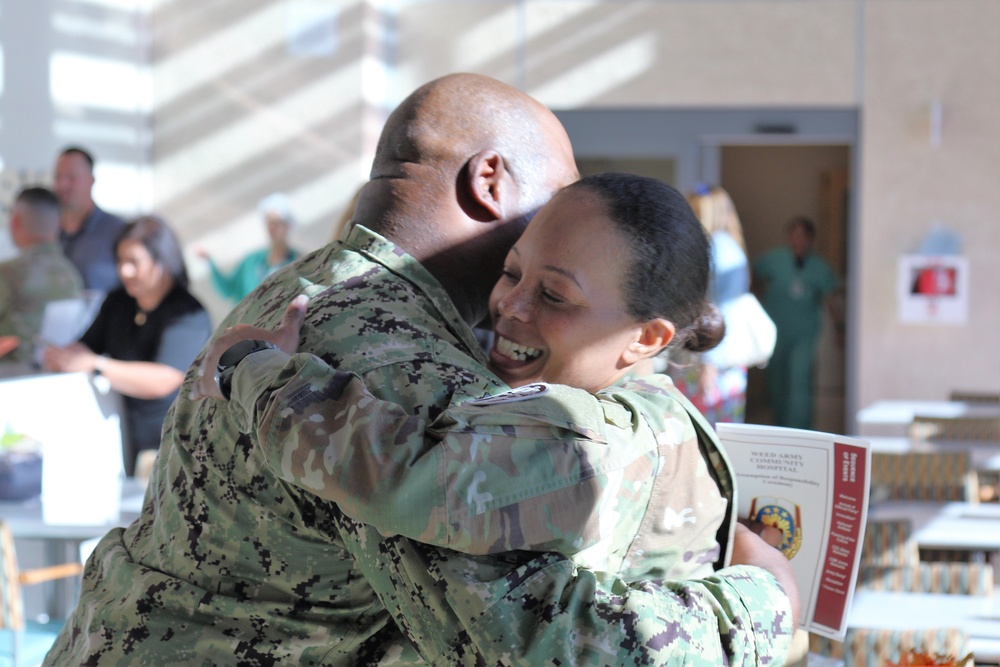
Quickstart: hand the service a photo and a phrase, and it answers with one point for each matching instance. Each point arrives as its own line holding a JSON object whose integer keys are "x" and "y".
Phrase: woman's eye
{"x": 509, "y": 276}
{"x": 551, "y": 297}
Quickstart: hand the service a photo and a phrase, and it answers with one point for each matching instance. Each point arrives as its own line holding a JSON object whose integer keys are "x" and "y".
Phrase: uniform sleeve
{"x": 532, "y": 609}
{"x": 481, "y": 479}
{"x": 517, "y": 607}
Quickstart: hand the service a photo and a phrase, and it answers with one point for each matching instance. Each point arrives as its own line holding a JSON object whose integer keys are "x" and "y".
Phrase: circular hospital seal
{"x": 524, "y": 393}
{"x": 781, "y": 514}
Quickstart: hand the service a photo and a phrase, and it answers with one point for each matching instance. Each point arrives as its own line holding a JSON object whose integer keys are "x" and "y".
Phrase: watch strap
{"x": 232, "y": 357}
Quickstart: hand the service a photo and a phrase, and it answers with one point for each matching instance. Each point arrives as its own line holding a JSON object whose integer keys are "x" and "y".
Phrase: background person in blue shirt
{"x": 87, "y": 233}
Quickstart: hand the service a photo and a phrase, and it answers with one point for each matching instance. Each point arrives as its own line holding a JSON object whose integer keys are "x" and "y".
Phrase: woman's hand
{"x": 769, "y": 534}
{"x": 286, "y": 337}
{"x": 73, "y": 358}
{"x": 750, "y": 549}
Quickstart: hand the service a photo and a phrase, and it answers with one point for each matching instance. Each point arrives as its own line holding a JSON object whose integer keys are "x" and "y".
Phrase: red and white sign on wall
{"x": 933, "y": 289}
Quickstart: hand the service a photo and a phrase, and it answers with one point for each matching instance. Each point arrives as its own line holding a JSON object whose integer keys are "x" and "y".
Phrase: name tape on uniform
{"x": 524, "y": 393}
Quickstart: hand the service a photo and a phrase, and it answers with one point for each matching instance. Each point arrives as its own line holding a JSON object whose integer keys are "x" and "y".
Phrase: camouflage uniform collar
{"x": 382, "y": 251}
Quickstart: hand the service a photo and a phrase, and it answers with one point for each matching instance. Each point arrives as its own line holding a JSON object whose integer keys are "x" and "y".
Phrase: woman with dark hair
{"x": 609, "y": 273}
{"x": 146, "y": 334}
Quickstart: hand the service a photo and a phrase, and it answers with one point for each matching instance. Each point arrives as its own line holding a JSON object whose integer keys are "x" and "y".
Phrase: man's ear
{"x": 652, "y": 337}
{"x": 484, "y": 187}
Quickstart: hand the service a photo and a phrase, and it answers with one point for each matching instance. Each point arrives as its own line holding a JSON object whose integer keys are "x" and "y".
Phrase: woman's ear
{"x": 485, "y": 185}
{"x": 652, "y": 337}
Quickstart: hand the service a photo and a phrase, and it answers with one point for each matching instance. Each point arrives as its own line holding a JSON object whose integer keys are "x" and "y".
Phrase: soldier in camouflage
{"x": 230, "y": 564}
{"x": 39, "y": 274}
{"x": 641, "y": 507}
{"x": 625, "y": 504}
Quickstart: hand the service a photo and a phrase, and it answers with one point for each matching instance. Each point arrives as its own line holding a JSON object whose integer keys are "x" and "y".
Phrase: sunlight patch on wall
{"x": 88, "y": 132}
{"x": 81, "y": 82}
{"x": 117, "y": 4}
{"x": 204, "y": 63}
{"x": 547, "y": 17}
{"x": 600, "y": 74}
{"x": 317, "y": 203}
{"x": 123, "y": 30}
{"x": 123, "y": 188}
{"x": 487, "y": 40}
{"x": 263, "y": 128}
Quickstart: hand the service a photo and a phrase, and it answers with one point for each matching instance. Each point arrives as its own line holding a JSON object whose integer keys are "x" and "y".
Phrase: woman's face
{"x": 557, "y": 310}
{"x": 139, "y": 272}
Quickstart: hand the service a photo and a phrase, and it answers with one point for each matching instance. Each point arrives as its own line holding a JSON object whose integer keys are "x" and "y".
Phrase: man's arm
{"x": 483, "y": 478}
{"x": 529, "y": 608}
{"x": 540, "y": 609}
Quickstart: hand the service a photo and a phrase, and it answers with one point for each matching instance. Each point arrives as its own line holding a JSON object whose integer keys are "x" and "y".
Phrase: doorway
{"x": 769, "y": 184}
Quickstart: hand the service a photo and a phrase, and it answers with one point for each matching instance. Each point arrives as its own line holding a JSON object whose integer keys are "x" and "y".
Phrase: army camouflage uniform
{"x": 230, "y": 564}
{"x": 620, "y": 483}
{"x": 40, "y": 274}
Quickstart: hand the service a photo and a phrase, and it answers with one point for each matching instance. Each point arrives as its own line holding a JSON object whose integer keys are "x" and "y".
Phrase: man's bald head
{"x": 442, "y": 124}
{"x": 460, "y": 167}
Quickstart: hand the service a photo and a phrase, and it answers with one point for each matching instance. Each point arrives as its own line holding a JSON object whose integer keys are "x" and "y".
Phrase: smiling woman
{"x": 146, "y": 333}
{"x": 605, "y": 276}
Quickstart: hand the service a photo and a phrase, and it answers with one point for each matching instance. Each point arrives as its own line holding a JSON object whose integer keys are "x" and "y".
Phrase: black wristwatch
{"x": 231, "y": 358}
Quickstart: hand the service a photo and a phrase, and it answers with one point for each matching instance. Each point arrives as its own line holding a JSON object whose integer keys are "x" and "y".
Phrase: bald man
{"x": 230, "y": 564}
{"x": 39, "y": 274}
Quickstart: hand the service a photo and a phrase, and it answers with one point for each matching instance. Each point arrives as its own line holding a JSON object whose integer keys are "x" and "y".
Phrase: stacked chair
{"x": 970, "y": 429}
{"x": 890, "y": 561}
{"x": 940, "y": 476}
{"x": 24, "y": 642}
{"x": 975, "y": 397}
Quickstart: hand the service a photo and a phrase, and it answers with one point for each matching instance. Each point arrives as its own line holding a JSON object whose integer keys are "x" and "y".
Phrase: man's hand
{"x": 286, "y": 337}
{"x": 750, "y": 549}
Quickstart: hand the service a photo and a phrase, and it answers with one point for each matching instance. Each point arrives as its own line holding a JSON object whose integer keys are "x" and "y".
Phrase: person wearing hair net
{"x": 256, "y": 266}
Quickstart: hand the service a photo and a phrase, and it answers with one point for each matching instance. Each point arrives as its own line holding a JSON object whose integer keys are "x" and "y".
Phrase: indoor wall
{"x": 246, "y": 97}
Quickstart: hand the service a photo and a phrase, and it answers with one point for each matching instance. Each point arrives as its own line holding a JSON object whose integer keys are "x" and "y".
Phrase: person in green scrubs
{"x": 252, "y": 269}
{"x": 796, "y": 282}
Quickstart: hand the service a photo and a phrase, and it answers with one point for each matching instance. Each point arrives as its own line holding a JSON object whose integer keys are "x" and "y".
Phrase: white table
{"x": 61, "y": 536}
{"x": 28, "y": 519}
{"x": 984, "y": 455}
{"x": 953, "y": 525}
{"x": 978, "y": 616}
{"x": 893, "y": 417}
